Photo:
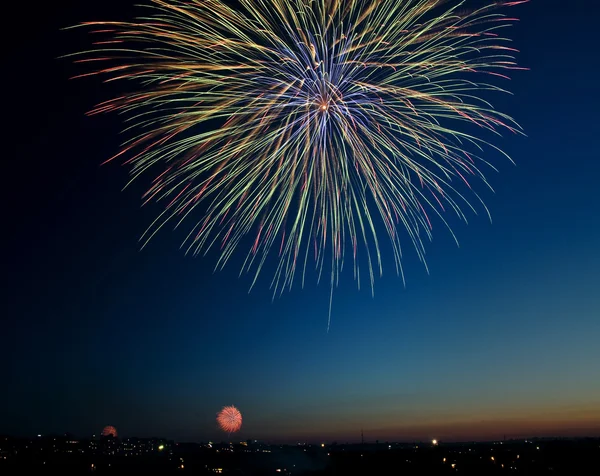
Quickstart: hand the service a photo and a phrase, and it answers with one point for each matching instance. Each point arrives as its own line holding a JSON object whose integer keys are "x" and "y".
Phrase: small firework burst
{"x": 109, "y": 431}
{"x": 229, "y": 419}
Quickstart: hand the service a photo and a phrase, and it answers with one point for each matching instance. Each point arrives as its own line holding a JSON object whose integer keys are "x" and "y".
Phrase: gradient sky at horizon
{"x": 500, "y": 338}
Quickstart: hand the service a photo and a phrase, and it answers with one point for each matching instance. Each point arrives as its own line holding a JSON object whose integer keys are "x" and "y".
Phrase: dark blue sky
{"x": 500, "y": 338}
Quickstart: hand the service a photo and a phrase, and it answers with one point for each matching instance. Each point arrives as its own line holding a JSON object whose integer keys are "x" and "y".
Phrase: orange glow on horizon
{"x": 581, "y": 422}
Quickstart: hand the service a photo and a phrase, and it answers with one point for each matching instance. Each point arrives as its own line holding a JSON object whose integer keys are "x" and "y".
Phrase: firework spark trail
{"x": 307, "y": 125}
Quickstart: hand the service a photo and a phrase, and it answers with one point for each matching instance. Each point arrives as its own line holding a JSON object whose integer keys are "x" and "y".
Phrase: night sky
{"x": 501, "y": 337}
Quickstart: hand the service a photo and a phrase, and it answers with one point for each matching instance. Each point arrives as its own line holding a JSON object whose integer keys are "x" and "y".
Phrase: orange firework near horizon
{"x": 109, "y": 431}
{"x": 229, "y": 419}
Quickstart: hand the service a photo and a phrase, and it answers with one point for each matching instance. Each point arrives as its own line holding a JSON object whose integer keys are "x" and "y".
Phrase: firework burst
{"x": 229, "y": 419}
{"x": 109, "y": 431}
{"x": 307, "y": 129}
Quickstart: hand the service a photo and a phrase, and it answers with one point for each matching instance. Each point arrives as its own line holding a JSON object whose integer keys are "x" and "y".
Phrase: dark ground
{"x": 533, "y": 458}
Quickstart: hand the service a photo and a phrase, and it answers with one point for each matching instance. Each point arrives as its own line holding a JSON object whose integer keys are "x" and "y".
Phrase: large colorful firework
{"x": 229, "y": 419}
{"x": 305, "y": 129}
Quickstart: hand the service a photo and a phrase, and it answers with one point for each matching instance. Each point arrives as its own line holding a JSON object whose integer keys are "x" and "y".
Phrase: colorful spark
{"x": 302, "y": 129}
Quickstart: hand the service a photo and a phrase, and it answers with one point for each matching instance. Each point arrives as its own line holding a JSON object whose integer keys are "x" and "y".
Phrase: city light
{"x": 140, "y": 451}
